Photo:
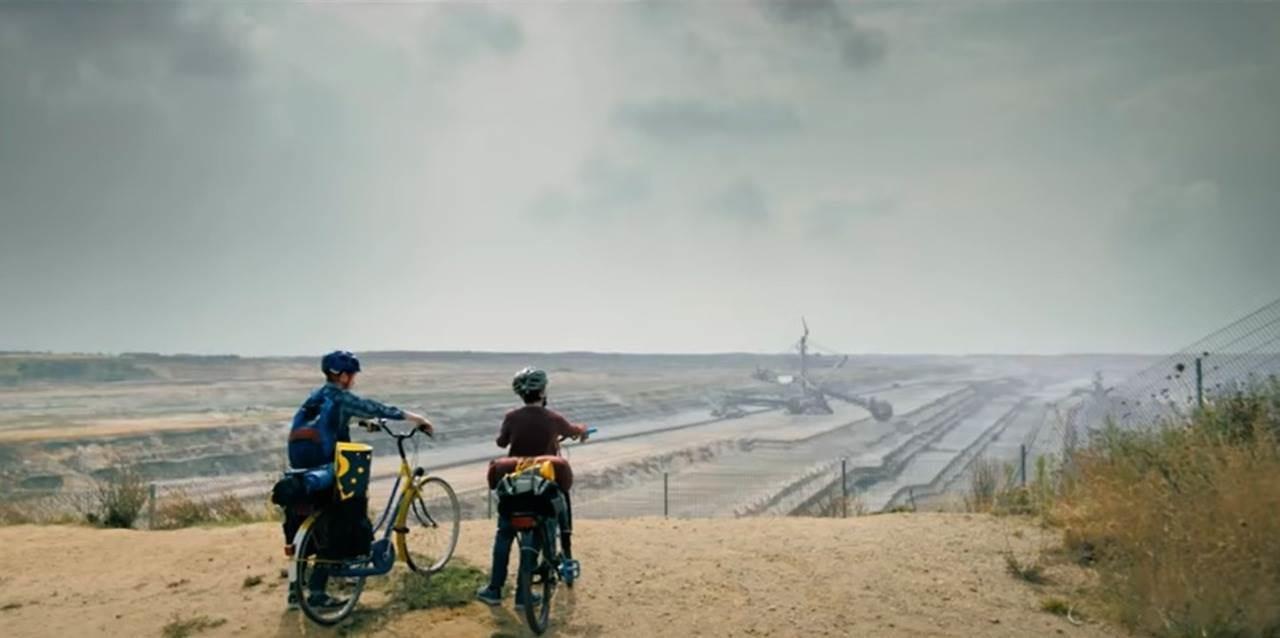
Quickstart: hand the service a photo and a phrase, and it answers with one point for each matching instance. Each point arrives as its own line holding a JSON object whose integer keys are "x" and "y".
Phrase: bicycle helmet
{"x": 340, "y": 361}
{"x": 529, "y": 381}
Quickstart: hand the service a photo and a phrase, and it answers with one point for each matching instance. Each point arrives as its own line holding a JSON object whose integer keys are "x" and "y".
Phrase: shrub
{"x": 118, "y": 498}
{"x": 1180, "y": 519}
{"x": 984, "y": 482}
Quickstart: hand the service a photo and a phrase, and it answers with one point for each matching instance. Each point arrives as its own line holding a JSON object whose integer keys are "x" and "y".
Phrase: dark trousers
{"x": 506, "y": 536}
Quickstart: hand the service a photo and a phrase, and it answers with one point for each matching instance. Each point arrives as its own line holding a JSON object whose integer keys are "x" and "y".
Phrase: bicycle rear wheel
{"x": 433, "y": 524}
{"x": 325, "y": 598}
{"x": 537, "y": 574}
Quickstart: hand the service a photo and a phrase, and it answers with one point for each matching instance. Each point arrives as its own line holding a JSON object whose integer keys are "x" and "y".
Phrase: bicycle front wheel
{"x": 537, "y": 574}
{"x": 432, "y": 527}
{"x": 323, "y": 596}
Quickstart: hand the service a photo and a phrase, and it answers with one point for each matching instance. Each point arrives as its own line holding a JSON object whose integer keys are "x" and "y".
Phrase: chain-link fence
{"x": 1232, "y": 359}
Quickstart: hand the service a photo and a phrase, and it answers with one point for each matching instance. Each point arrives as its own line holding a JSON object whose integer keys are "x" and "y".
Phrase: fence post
{"x": 1199, "y": 383}
{"x": 665, "y": 507}
{"x": 151, "y": 506}
{"x": 1022, "y": 462}
{"x": 844, "y": 488}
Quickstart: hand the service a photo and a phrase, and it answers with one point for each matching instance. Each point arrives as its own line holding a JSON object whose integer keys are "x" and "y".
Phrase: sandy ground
{"x": 891, "y": 575}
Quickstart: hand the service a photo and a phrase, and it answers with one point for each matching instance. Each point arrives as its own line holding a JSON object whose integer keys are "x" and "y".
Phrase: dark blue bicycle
{"x": 542, "y": 517}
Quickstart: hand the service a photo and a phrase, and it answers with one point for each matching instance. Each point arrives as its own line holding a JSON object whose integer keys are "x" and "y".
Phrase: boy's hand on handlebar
{"x": 421, "y": 421}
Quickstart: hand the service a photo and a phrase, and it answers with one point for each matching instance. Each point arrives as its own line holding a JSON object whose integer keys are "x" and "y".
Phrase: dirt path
{"x": 892, "y": 575}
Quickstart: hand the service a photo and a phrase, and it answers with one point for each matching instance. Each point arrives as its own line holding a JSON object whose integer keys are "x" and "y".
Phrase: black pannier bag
{"x": 528, "y": 492}
{"x": 349, "y": 532}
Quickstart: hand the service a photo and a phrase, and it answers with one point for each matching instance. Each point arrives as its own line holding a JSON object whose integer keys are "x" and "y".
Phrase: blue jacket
{"x": 323, "y": 420}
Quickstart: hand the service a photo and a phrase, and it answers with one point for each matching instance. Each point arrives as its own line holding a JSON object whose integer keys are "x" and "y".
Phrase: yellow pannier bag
{"x": 352, "y": 467}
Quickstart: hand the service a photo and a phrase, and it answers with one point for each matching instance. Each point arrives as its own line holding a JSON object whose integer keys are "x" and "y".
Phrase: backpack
{"x": 312, "y": 437}
{"x": 531, "y": 488}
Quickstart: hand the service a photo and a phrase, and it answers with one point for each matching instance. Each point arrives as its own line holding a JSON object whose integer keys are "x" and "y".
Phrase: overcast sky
{"x": 913, "y": 177}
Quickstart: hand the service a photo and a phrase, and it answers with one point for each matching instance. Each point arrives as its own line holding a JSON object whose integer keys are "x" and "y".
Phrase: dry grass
{"x": 179, "y": 509}
{"x": 184, "y": 627}
{"x": 121, "y": 499}
{"x": 995, "y": 487}
{"x": 1029, "y": 571}
{"x": 1054, "y": 605}
{"x": 453, "y": 586}
{"x": 848, "y": 506}
{"x": 47, "y": 510}
{"x": 1181, "y": 520}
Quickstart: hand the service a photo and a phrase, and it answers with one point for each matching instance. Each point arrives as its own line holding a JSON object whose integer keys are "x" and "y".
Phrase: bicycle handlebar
{"x": 381, "y": 424}
{"x": 590, "y": 431}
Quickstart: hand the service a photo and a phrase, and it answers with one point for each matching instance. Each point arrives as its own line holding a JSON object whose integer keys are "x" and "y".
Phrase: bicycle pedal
{"x": 570, "y": 570}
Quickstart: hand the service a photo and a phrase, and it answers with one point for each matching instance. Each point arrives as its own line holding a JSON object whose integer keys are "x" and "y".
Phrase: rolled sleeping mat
{"x": 503, "y": 466}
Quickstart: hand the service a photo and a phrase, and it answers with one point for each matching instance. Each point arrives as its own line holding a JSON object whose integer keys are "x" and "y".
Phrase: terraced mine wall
{"x": 955, "y": 470}
{"x": 44, "y": 467}
{"x": 821, "y": 495}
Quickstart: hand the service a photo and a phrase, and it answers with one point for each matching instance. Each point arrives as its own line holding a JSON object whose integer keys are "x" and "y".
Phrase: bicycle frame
{"x": 380, "y": 560}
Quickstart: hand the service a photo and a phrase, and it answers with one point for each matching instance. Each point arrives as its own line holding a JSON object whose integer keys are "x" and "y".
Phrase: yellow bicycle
{"x": 422, "y": 512}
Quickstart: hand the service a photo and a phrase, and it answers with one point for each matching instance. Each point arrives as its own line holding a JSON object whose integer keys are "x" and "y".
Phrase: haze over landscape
{"x": 648, "y": 177}
{"x": 1035, "y": 389}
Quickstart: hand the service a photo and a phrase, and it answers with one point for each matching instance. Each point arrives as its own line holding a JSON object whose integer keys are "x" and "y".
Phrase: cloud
{"x": 683, "y": 120}
{"x": 859, "y": 47}
{"x": 69, "y": 41}
{"x": 603, "y": 189}
{"x": 465, "y": 31}
{"x": 835, "y": 216}
{"x": 742, "y": 201}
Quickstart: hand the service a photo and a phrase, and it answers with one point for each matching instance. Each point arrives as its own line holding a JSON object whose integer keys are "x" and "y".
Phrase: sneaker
{"x": 321, "y": 600}
{"x": 537, "y": 598}
{"x": 489, "y": 596}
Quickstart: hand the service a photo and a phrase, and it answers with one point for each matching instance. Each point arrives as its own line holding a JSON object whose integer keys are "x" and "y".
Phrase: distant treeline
{"x": 15, "y": 370}
{"x": 181, "y": 357}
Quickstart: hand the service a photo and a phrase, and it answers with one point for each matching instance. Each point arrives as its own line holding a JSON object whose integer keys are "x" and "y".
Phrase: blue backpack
{"x": 313, "y": 435}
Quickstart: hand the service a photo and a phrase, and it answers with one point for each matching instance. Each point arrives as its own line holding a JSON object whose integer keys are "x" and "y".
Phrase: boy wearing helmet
{"x": 321, "y": 422}
{"x": 531, "y": 430}
{"x": 324, "y": 418}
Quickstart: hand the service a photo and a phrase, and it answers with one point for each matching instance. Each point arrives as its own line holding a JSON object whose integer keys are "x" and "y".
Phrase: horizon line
{"x": 606, "y": 353}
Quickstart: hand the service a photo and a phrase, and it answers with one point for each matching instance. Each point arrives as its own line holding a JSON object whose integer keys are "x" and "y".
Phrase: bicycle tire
{"x": 306, "y": 559}
{"x": 439, "y": 515}
{"x": 535, "y": 569}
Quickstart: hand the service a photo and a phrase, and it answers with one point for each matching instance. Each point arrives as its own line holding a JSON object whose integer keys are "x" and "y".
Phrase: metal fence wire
{"x": 1241, "y": 355}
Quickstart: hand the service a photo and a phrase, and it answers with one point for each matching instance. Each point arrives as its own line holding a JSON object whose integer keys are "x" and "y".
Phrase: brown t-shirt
{"x": 535, "y": 431}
